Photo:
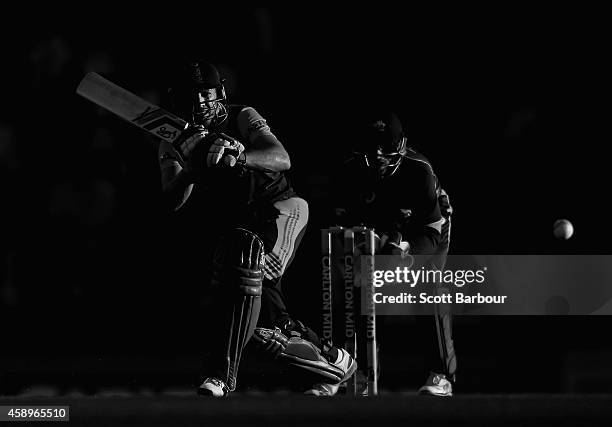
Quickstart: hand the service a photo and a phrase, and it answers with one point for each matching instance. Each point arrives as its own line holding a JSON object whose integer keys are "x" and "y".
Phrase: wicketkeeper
{"x": 389, "y": 186}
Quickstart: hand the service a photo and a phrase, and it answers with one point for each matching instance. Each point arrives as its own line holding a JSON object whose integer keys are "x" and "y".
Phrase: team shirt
{"x": 406, "y": 201}
{"x": 245, "y": 124}
{"x": 232, "y": 192}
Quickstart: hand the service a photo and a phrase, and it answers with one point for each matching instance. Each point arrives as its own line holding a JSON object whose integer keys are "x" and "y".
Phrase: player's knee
{"x": 239, "y": 262}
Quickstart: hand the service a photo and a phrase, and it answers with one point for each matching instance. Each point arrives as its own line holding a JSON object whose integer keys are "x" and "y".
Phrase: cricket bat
{"x": 131, "y": 108}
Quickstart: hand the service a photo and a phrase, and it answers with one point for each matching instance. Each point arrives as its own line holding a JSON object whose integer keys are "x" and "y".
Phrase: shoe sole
{"x": 319, "y": 394}
{"x": 434, "y": 394}
{"x": 207, "y": 393}
{"x": 351, "y": 370}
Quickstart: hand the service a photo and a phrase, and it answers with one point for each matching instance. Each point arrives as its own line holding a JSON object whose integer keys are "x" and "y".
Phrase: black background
{"x": 97, "y": 281}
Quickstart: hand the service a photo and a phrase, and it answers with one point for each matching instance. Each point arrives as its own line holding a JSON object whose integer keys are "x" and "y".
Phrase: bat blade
{"x": 131, "y": 107}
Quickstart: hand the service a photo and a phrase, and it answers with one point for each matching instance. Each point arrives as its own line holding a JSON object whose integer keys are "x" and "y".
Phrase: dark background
{"x": 510, "y": 105}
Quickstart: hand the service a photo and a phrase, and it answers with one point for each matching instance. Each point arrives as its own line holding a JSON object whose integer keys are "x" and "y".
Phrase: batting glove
{"x": 190, "y": 143}
{"x": 225, "y": 151}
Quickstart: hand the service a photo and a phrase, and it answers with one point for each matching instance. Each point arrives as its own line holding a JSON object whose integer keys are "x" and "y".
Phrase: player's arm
{"x": 426, "y": 242}
{"x": 422, "y": 228}
{"x": 263, "y": 151}
{"x": 177, "y": 182}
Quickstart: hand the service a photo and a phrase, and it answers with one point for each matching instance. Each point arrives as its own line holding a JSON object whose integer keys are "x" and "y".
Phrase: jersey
{"x": 230, "y": 195}
{"x": 405, "y": 202}
{"x": 245, "y": 124}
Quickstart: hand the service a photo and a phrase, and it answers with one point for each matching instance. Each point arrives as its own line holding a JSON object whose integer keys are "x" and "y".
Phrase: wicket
{"x": 347, "y": 277}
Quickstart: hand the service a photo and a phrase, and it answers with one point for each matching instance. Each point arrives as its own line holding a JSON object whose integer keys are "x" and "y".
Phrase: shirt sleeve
{"x": 427, "y": 207}
{"x": 252, "y": 125}
{"x": 420, "y": 231}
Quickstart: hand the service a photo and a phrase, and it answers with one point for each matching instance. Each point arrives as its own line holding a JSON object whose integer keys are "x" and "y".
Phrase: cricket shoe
{"x": 437, "y": 385}
{"x": 323, "y": 390}
{"x": 345, "y": 363}
{"x": 213, "y": 387}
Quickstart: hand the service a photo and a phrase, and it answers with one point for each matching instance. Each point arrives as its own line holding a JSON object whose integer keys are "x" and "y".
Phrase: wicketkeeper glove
{"x": 392, "y": 244}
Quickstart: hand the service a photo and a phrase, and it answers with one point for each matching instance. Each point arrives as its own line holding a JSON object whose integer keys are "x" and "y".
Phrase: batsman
{"x": 232, "y": 167}
{"x": 387, "y": 185}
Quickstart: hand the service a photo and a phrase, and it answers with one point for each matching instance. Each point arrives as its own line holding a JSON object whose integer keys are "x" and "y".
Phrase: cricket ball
{"x": 563, "y": 229}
